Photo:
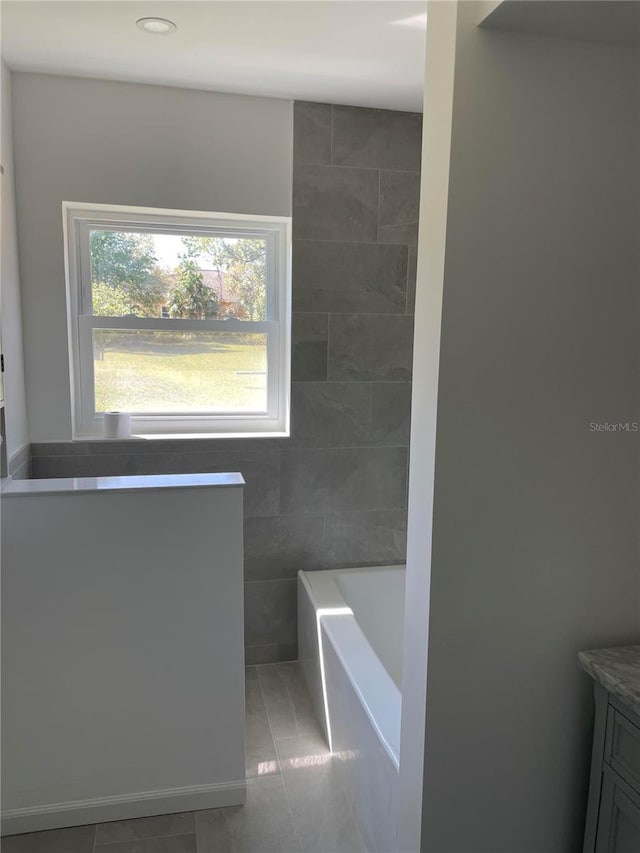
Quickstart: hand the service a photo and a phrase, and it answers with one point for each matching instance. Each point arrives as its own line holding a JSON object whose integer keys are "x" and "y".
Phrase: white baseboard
{"x": 142, "y": 804}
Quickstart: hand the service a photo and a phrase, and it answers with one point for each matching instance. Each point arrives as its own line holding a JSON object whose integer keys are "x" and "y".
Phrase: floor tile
{"x": 265, "y": 823}
{"x": 145, "y": 827}
{"x": 213, "y": 833}
{"x": 277, "y": 701}
{"x": 75, "y": 839}
{"x": 168, "y": 844}
{"x": 323, "y": 817}
{"x": 306, "y": 720}
{"x": 261, "y": 758}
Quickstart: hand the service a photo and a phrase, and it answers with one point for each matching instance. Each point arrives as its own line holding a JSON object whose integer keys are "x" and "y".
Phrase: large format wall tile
{"x": 349, "y": 277}
{"x": 370, "y": 347}
{"x": 361, "y": 478}
{"x": 261, "y": 472}
{"x": 270, "y": 612}
{"x": 391, "y": 413}
{"x": 366, "y": 538}
{"x": 377, "y": 139}
{"x": 279, "y": 547}
{"x": 311, "y": 134}
{"x": 103, "y": 465}
{"x": 399, "y": 206}
{"x": 335, "y": 204}
{"x": 309, "y": 334}
{"x": 330, "y": 414}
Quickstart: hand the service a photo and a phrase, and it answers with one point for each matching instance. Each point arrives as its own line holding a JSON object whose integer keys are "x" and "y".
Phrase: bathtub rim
{"x": 376, "y": 690}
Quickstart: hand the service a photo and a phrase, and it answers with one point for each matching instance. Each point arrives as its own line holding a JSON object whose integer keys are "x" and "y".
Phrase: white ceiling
{"x": 358, "y": 52}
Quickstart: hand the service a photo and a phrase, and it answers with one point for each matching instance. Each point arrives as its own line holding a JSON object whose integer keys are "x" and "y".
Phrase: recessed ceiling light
{"x": 157, "y": 26}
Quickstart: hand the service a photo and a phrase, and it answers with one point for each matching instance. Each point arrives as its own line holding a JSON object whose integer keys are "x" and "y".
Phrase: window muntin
{"x": 181, "y": 319}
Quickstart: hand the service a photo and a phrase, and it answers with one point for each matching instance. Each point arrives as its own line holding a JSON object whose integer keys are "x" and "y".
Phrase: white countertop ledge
{"x": 70, "y": 485}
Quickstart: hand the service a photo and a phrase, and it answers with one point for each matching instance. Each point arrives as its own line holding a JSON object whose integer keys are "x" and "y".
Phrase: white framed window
{"x": 180, "y": 318}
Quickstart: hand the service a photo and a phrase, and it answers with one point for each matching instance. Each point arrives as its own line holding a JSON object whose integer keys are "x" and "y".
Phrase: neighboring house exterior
{"x": 214, "y": 279}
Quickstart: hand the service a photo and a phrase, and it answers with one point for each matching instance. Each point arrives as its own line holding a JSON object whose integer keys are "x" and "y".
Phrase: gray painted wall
{"x": 123, "y": 143}
{"x": 15, "y": 401}
{"x": 335, "y": 493}
{"x": 535, "y": 543}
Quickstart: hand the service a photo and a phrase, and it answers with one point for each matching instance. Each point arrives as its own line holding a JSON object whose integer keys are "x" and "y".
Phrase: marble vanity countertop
{"x": 67, "y": 485}
{"x": 618, "y": 670}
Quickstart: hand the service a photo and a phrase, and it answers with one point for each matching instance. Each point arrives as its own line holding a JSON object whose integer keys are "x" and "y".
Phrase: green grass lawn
{"x": 149, "y": 375}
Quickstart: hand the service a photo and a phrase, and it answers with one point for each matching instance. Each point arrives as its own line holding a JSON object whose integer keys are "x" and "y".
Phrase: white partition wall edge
{"x": 436, "y": 148}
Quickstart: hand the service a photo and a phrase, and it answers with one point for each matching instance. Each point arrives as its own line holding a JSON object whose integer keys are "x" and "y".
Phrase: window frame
{"x": 79, "y": 219}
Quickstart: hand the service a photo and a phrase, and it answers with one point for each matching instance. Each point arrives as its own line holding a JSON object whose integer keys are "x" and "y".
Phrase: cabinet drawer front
{"x": 619, "y": 818}
{"x": 622, "y": 749}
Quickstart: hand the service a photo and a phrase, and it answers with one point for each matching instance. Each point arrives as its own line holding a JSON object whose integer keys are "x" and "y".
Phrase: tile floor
{"x": 295, "y": 803}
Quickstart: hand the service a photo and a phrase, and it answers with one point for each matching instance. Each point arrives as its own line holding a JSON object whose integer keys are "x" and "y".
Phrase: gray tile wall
{"x": 335, "y": 493}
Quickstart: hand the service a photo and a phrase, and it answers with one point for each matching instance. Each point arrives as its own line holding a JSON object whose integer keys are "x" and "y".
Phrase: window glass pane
{"x": 158, "y": 372}
{"x": 177, "y": 275}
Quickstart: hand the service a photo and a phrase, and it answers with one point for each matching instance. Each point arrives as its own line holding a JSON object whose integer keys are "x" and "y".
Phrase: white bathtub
{"x": 350, "y": 641}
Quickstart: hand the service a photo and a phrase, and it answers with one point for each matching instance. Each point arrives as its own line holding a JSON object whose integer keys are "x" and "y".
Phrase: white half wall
{"x": 122, "y": 143}
{"x": 17, "y": 435}
{"x": 535, "y": 516}
{"x": 122, "y": 657}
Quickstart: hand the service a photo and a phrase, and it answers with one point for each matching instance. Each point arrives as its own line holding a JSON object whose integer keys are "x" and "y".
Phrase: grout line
{"x": 325, "y": 542}
{"x": 378, "y": 208}
{"x": 407, "y": 243}
{"x": 371, "y": 414}
{"x": 231, "y": 836}
{"x": 279, "y": 761}
{"x": 331, "y": 138}
{"x": 181, "y": 834}
{"x": 266, "y": 712}
{"x": 342, "y": 242}
{"x": 355, "y": 168}
{"x": 282, "y": 682}
{"x": 293, "y": 705}
{"x": 294, "y": 822}
{"x": 406, "y": 290}
{"x": 326, "y": 372}
{"x": 95, "y": 837}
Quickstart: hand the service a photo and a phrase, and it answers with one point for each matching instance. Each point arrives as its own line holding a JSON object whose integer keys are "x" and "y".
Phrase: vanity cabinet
{"x": 613, "y": 809}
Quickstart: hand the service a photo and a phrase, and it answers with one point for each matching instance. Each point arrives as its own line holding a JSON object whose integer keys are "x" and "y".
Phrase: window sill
{"x": 181, "y": 436}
